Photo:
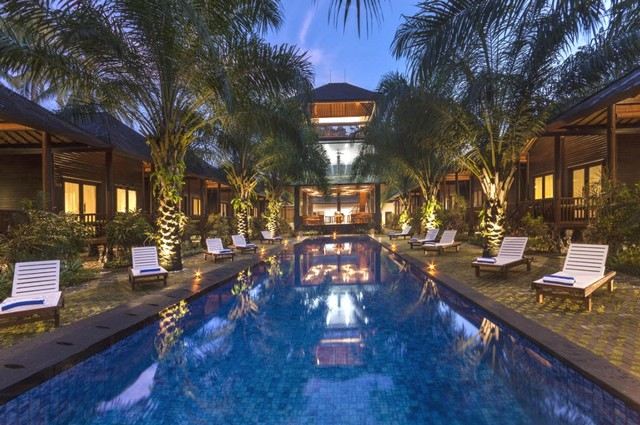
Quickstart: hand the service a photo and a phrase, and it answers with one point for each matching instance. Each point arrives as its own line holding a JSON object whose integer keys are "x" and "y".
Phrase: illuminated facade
{"x": 340, "y": 111}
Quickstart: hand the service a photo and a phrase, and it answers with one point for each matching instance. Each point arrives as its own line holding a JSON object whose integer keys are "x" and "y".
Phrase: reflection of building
{"x": 340, "y": 111}
{"x": 345, "y": 263}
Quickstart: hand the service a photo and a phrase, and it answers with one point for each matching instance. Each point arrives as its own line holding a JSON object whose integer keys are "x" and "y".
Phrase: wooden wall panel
{"x": 585, "y": 149}
{"x": 127, "y": 172}
{"x": 541, "y": 157}
{"x": 20, "y": 179}
{"x": 628, "y": 155}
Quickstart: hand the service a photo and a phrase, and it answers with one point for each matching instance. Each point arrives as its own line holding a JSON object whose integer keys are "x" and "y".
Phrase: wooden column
{"x": 457, "y": 185}
{"x": 377, "y": 217}
{"x": 203, "y": 198}
{"x": 48, "y": 191}
{"x": 218, "y": 210}
{"x": 296, "y": 208}
{"x": 612, "y": 142}
{"x": 142, "y": 194}
{"x": 558, "y": 158}
{"x": 109, "y": 192}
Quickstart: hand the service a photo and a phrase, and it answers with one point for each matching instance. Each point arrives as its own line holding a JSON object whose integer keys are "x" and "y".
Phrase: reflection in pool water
{"x": 376, "y": 345}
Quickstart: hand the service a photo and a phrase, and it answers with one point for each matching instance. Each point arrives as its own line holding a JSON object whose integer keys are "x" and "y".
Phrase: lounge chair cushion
{"x": 26, "y": 303}
{"x": 582, "y": 280}
{"x": 148, "y": 271}
{"x": 487, "y": 260}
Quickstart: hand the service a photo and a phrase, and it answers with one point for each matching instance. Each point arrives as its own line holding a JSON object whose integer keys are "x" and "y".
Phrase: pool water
{"x": 340, "y": 332}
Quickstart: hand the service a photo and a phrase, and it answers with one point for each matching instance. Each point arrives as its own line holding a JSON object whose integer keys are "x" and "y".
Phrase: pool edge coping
{"x": 597, "y": 369}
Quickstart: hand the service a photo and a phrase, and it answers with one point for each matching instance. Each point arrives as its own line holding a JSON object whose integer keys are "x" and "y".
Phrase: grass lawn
{"x": 108, "y": 291}
{"x": 611, "y": 330}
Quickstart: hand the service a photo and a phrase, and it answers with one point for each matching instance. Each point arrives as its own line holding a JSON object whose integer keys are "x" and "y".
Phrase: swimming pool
{"x": 341, "y": 332}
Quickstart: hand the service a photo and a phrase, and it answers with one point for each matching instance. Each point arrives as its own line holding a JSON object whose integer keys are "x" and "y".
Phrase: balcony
{"x": 564, "y": 211}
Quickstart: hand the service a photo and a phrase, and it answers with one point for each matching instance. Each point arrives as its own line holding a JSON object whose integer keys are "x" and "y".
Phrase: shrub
{"x": 539, "y": 233}
{"x": 127, "y": 230}
{"x": 616, "y": 222}
{"x": 256, "y": 225}
{"x": 456, "y": 216}
{"x": 46, "y": 236}
{"x": 218, "y": 226}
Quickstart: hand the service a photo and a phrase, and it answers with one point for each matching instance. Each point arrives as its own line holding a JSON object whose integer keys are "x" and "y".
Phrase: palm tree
{"x": 291, "y": 163}
{"x": 500, "y": 59}
{"x": 406, "y": 135}
{"x": 158, "y": 64}
{"x": 258, "y": 141}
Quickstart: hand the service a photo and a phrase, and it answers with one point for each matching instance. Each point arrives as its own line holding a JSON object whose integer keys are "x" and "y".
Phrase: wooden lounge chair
{"x": 216, "y": 250}
{"x": 430, "y": 236}
{"x": 145, "y": 265}
{"x": 583, "y": 273}
{"x": 267, "y": 236}
{"x": 240, "y": 243}
{"x": 36, "y": 290}
{"x": 447, "y": 241}
{"x": 511, "y": 254}
{"x": 404, "y": 233}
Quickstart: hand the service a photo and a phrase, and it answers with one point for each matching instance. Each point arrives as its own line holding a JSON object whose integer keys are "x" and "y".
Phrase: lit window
{"x": 71, "y": 198}
{"x": 543, "y": 187}
{"x": 595, "y": 179}
{"x": 89, "y": 199}
{"x": 196, "y": 206}
{"x": 126, "y": 200}
{"x": 577, "y": 180}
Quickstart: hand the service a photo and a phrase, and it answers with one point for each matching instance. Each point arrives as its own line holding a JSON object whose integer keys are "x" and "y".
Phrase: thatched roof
{"x": 22, "y": 123}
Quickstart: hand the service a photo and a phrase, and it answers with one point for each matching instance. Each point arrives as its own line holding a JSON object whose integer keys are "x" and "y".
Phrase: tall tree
{"x": 406, "y": 134}
{"x": 500, "y": 58}
{"x": 156, "y": 63}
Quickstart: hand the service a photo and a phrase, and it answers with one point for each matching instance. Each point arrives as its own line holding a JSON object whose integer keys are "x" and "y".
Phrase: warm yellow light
{"x": 394, "y": 247}
{"x": 198, "y": 274}
{"x": 431, "y": 267}
{"x": 263, "y": 251}
{"x": 341, "y": 120}
{"x": 335, "y": 235}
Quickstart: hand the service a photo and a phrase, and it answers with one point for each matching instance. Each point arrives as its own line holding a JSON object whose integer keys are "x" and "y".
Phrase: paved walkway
{"x": 111, "y": 290}
{"x": 611, "y": 330}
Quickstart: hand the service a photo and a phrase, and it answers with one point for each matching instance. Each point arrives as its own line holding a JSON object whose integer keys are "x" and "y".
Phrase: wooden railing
{"x": 564, "y": 210}
{"x": 95, "y": 223}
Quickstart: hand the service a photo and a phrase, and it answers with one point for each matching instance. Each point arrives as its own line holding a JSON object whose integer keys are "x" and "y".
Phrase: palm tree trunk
{"x": 273, "y": 215}
{"x": 430, "y": 213}
{"x": 493, "y": 215}
{"x": 168, "y": 179}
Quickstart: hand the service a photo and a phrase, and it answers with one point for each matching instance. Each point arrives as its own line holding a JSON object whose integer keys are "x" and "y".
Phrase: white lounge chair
{"x": 404, "y": 233}
{"x": 447, "y": 241}
{"x": 36, "y": 290}
{"x": 240, "y": 243}
{"x": 268, "y": 237}
{"x": 583, "y": 273}
{"x": 216, "y": 250}
{"x": 430, "y": 236}
{"x": 145, "y": 265}
{"x": 511, "y": 254}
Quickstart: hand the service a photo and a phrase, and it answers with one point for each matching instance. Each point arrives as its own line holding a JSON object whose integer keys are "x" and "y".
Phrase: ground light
{"x": 198, "y": 275}
{"x": 431, "y": 267}
{"x": 394, "y": 247}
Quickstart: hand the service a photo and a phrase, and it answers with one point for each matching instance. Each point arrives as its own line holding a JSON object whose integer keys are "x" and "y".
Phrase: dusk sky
{"x": 336, "y": 52}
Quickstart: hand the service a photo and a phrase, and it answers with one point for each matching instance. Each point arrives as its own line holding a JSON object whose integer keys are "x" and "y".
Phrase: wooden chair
{"x": 430, "y": 236}
{"x": 447, "y": 241}
{"x": 404, "y": 233}
{"x": 267, "y": 236}
{"x": 240, "y": 243}
{"x": 511, "y": 254}
{"x": 146, "y": 265}
{"x": 36, "y": 290}
{"x": 216, "y": 250}
{"x": 583, "y": 273}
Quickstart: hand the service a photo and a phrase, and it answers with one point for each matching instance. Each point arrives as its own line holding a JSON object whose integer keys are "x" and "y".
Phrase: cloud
{"x": 306, "y": 24}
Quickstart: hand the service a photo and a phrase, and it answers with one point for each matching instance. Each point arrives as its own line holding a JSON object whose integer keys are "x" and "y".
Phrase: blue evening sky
{"x": 338, "y": 54}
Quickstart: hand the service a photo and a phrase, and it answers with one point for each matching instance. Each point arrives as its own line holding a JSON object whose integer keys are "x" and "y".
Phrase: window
{"x": 224, "y": 211}
{"x": 543, "y": 187}
{"x": 126, "y": 200}
{"x": 80, "y": 198}
{"x": 477, "y": 198}
{"x": 196, "y": 206}
{"x": 71, "y": 198}
{"x": 586, "y": 181}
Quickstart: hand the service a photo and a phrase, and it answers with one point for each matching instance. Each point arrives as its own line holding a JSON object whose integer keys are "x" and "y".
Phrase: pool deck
{"x": 101, "y": 313}
{"x": 603, "y": 345}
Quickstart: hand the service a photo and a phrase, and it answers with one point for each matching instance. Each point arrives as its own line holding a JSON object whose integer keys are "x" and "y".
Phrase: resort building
{"x": 339, "y": 112}
{"x": 93, "y": 168}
